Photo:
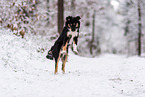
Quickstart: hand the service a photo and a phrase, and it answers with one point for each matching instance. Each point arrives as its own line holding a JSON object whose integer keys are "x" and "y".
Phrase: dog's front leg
{"x": 75, "y": 48}
{"x": 75, "y": 45}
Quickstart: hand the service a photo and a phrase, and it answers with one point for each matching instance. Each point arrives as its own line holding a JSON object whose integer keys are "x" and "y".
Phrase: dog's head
{"x": 73, "y": 23}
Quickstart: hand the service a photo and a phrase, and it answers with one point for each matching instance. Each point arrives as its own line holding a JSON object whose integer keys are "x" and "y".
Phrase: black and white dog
{"x": 69, "y": 36}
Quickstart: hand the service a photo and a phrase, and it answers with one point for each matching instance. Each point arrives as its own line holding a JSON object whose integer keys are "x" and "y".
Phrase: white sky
{"x": 115, "y": 4}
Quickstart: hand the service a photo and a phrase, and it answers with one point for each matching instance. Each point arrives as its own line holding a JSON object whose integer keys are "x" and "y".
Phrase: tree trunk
{"x": 73, "y": 7}
{"x": 139, "y": 28}
{"x": 93, "y": 33}
{"x": 60, "y": 16}
{"x": 47, "y": 12}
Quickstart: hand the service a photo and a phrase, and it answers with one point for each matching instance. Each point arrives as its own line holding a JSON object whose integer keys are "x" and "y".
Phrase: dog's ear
{"x": 68, "y": 18}
{"x": 78, "y": 18}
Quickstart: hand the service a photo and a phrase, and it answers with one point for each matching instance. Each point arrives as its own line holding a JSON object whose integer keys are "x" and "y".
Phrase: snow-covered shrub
{"x": 20, "y": 16}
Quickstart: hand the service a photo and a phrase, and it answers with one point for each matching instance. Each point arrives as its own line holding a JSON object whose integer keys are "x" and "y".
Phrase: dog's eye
{"x": 68, "y": 25}
{"x": 71, "y": 24}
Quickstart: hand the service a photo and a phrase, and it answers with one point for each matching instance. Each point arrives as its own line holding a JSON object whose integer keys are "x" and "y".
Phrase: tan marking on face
{"x": 68, "y": 25}
{"x": 77, "y": 25}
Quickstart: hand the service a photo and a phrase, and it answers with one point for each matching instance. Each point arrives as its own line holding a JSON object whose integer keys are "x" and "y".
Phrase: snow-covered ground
{"x": 26, "y": 73}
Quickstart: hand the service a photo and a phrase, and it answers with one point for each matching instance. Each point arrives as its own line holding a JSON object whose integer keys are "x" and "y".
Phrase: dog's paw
{"x": 75, "y": 49}
{"x": 75, "y": 52}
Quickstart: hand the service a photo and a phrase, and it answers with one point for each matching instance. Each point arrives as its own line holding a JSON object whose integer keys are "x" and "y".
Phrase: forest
{"x": 107, "y": 26}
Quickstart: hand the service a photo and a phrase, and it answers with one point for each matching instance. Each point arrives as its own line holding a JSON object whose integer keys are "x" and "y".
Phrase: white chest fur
{"x": 73, "y": 34}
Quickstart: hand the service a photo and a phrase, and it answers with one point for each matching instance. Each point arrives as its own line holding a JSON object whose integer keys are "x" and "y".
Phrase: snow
{"x": 26, "y": 73}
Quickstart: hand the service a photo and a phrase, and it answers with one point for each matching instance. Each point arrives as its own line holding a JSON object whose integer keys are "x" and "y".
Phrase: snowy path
{"x": 26, "y": 73}
{"x": 106, "y": 76}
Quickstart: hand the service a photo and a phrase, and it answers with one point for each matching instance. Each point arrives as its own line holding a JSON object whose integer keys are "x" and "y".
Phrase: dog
{"x": 69, "y": 36}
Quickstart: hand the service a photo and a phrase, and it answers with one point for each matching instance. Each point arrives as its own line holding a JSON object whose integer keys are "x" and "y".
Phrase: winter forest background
{"x": 111, "y": 46}
{"x": 107, "y": 26}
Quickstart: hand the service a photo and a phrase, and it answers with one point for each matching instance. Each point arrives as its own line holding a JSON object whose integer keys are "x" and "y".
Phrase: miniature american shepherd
{"x": 68, "y": 37}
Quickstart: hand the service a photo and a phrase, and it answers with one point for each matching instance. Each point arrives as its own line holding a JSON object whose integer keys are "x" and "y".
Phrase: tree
{"x": 92, "y": 46}
{"x": 47, "y": 12}
{"x": 60, "y": 16}
{"x": 133, "y": 25}
{"x": 73, "y": 7}
{"x": 139, "y": 27}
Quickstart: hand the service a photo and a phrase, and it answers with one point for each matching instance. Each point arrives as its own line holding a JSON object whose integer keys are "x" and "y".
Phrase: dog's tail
{"x": 49, "y": 55}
